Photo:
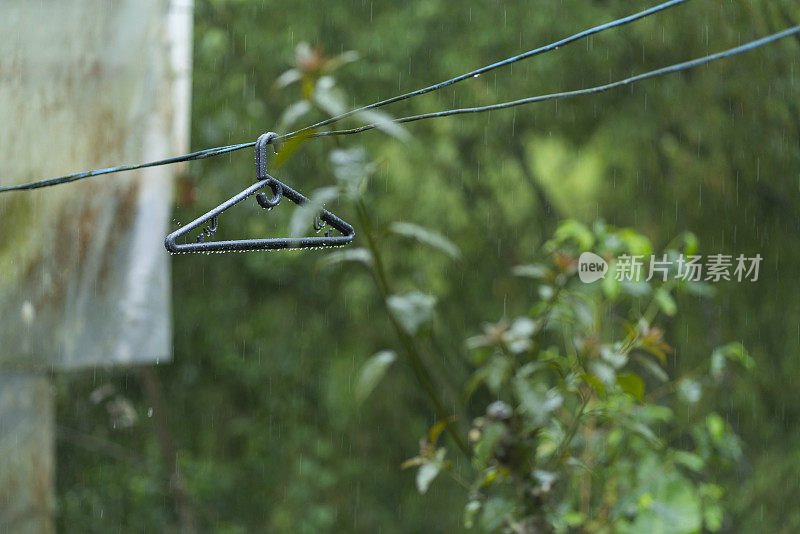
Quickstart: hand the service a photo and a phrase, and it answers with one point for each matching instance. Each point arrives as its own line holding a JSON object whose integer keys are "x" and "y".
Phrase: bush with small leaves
{"x": 583, "y": 434}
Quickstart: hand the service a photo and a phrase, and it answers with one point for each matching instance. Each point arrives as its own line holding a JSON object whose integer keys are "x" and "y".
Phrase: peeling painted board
{"x": 26, "y": 453}
{"x": 84, "y": 84}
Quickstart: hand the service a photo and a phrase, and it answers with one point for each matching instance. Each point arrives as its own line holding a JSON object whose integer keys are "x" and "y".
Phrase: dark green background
{"x": 259, "y": 397}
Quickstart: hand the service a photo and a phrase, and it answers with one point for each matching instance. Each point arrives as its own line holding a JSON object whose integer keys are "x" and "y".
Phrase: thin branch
{"x": 152, "y": 388}
{"x": 411, "y": 350}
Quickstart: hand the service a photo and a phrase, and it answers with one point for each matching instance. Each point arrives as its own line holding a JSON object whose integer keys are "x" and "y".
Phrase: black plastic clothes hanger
{"x": 279, "y": 191}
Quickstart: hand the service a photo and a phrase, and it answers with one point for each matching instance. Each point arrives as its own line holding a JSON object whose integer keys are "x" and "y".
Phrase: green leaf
{"x": 734, "y": 352}
{"x": 637, "y": 244}
{"x": 385, "y": 123}
{"x": 536, "y": 401}
{"x": 498, "y": 370}
{"x": 327, "y": 97}
{"x": 470, "y": 513}
{"x": 604, "y": 372}
{"x": 633, "y": 384}
{"x": 292, "y": 113}
{"x": 594, "y": 383}
{"x": 496, "y": 511}
{"x": 716, "y": 426}
{"x": 531, "y": 368}
{"x": 372, "y": 372}
{"x": 290, "y": 146}
{"x": 304, "y": 215}
{"x": 689, "y": 460}
{"x": 613, "y": 356}
{"x": 712, "y": 517}
{"x": 668, "y": 502}
{"x": 357, "y": 254}
{"x": 652, "y": 366}
{"x": 412, "y": 310}
{"x": 350, "y": 168}
{"x": 690, "y": 243}
{"x": 665, "y": 301}
{"x": 641, "y": 429}
{"x": 429, "y": 471}
{"x": 287, "y": 78}
{"x": 437, "y": 429}
{"x": 573, "y": 519}
{"x": 579, "y": 465}
{"x": 489, "y": 476}
{"x": 711, "y": 491}
{"x": 655, "y": 412}
{"x": 518, "y": 336}
{"x": 636, "y": 289}
{"x": 546, "y": 292}
{"x": 534, "y": 271}
{"x": 689, "y": 391}
{"x": 426, "y": 474}
{"x": 478, "y": 377}
{"x": 610, "y": 285}
{"x": 577, "y": 232}
{"x": 491, "y": 435}
{"x": 340, "y": 60}
{"x": 427, "y": 237}
{"x": 712, "y": 511}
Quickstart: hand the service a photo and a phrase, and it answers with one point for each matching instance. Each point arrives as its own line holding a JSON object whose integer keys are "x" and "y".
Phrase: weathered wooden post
{"x": 84, "y": 277}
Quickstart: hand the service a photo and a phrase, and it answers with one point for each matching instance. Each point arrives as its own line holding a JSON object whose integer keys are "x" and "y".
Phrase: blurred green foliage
{"x": 584, "y": 433}
{"x": 262, "y": 399}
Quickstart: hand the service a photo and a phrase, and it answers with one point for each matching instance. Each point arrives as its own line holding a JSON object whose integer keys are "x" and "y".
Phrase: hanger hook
{"x": 277, "y": 195}
{"x": 209, "y": 230}
{"x": 261, "y": 171}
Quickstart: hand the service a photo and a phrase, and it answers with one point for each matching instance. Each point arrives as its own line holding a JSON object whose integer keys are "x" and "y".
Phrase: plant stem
{"x": 564, "y": 445}
{"x": 411, "y": 350}
{"x": 152, "y": 389}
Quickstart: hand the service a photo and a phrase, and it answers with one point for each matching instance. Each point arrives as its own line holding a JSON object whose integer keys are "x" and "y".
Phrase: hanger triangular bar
{"x": 201, "y": 245}
{"x": 279, "y": 190}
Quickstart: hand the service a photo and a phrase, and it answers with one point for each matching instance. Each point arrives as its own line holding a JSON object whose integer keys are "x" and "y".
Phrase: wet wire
{"x": 216, "y": 151}
{"x": 580, "y": 92}
{"x": 795, "y": 30}
{"x": 477, "y": 72}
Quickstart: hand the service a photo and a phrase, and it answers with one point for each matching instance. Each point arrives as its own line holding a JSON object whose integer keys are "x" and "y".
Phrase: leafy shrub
{"x": 579, "y": 428}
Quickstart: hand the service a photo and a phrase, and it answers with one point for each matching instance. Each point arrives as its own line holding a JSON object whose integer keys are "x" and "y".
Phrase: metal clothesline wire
{"x": 580, "y": 92}
{"x": 503, "y": 105}
{"x": 535, "y": 52}
{"x": 216, "y": 151}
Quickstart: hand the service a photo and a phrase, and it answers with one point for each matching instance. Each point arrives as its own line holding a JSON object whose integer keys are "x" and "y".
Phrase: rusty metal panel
{"x": 84, "y": 84}
{"x": 26, "y": 448}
